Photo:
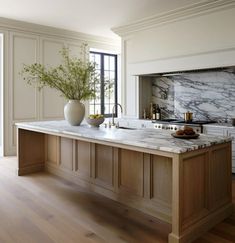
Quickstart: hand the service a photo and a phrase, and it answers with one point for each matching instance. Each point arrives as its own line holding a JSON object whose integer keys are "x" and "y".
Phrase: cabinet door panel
{"x": 161, "y": 180}
{"x": 194, "y": 188}
{"x": 220, "y": 176}
{"x": 66, "y": 153}
{"x": 52, "y": 150}
{"x": 83, "y": 160}
{"x": 131, "y": 171}
{"x": 104, "y": 166}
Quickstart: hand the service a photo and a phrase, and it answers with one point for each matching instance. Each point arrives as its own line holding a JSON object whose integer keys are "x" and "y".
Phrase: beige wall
{"x": 28, "y": 43}
{"x": 195, "y": 35}
{"x": 188, "y": 39}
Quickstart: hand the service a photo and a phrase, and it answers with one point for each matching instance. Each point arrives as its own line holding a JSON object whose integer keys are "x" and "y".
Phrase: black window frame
{"x": 102, "y": 79}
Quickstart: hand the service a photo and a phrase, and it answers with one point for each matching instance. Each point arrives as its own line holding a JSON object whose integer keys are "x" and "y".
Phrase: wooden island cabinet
{"x": 191, "y": 190}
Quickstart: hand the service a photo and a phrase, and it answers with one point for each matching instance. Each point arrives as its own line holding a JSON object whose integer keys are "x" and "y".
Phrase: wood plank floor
{"x": 42, "y": 208}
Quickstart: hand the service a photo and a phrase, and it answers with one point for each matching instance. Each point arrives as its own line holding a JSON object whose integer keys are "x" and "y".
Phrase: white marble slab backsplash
{"x": 209, "y": 95}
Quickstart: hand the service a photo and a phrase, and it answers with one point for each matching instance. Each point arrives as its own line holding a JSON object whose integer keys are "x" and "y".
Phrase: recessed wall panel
{"x": 52, "y": 102}
{"x": 24, "y": 51}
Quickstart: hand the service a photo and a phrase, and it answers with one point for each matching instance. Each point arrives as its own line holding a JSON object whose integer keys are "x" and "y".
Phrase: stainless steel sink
{"x": 127, "y": 128}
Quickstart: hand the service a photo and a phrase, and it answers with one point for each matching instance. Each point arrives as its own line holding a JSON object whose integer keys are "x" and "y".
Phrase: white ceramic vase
{"x": 74, "y": 112}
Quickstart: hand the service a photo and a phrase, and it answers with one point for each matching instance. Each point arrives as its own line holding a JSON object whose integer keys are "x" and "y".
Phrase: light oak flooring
{"x": 42, "y": 208}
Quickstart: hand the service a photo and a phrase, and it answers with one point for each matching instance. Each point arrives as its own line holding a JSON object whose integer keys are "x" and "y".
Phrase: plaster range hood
{"x": 218, "y": 59}
{"x": 178, "y": 73}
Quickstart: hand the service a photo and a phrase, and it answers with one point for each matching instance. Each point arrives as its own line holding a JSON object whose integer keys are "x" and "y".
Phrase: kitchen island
{"x": 186, "y": 183}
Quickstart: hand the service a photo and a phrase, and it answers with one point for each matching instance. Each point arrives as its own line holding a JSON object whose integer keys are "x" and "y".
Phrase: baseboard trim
{"x": 30, "y": 169}
{"x": 203, "y": 225}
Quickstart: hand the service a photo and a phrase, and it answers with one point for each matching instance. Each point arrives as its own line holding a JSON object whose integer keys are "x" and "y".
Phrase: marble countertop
{"x": 144, "y": 138}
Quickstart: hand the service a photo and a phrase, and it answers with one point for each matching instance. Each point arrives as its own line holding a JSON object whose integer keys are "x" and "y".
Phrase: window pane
{"x": 112, "y": 63}
{"x": 112, "y": 76}
{"x": 105, "y": 89}
{"x": 92, "y": 57}
{"x": 106, "y": 76}
{"x": 107, "y": 109}
{"x": 92, "y": 109}
{"x": 97, "y": 99}
{"x": 97, "y": 109}
{"x": 110, "y": 97}
{"x": 106, "y": 62}
{"x": 97, "y": 61}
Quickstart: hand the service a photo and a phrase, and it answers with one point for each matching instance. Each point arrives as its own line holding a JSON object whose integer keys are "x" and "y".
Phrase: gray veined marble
{"x": 210, "y": 95}
{"x": 144, "y": 138}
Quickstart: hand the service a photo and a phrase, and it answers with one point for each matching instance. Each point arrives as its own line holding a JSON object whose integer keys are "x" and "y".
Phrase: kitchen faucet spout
{"x": 113, "y": 111}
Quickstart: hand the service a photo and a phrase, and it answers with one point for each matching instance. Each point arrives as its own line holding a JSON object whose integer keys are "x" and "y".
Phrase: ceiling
{"x": 95, "y": 17}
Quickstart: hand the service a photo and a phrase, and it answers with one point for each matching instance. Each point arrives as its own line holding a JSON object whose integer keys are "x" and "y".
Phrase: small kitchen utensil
{"x": 188, "y": 116}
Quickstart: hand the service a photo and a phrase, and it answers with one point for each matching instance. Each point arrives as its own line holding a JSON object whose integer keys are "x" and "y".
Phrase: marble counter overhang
{"x": 144, "y": 138}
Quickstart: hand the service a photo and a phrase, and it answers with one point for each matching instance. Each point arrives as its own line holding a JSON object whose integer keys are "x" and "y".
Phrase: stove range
{"x": 174, "y": 124}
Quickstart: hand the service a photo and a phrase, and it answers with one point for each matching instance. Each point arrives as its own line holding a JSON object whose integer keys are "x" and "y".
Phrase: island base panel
{"x": 202, "y": 194}
{"x": 192, "y": 190}
{"x": 137, "y": 179}
{"x": 31, "y": 151}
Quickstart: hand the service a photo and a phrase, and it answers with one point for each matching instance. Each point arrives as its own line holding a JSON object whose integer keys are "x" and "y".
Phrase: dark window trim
{"x": 102, "y": 54}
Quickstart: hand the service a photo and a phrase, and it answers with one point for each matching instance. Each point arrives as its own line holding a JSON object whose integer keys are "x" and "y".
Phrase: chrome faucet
{"x": 113, "y": 111}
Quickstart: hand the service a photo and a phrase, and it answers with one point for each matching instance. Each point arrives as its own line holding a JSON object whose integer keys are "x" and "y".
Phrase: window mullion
{"x": 102, "y": 85}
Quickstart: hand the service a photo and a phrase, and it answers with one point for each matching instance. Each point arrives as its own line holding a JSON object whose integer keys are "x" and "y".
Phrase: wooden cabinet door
{"x": 131, "y": 172}
{"x": 103, "y": 166}
{"x": 66, "y": 153}
{"x": 52, "y": 150}
{"x": 220, "y": 176}
{"x": 83, "y": 160}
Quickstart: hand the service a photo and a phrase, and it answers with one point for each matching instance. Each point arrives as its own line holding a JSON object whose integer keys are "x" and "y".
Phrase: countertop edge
{"x": 122, "y": 144}
{"x": 99, "y": 141}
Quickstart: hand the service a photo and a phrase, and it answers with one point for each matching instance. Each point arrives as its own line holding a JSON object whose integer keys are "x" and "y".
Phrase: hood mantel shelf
{"x": 220, "y": 58}
{"x": 178, "y": 73}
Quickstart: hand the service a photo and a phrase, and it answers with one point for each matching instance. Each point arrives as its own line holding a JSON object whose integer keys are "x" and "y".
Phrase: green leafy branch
{"x": 75, "y": 78}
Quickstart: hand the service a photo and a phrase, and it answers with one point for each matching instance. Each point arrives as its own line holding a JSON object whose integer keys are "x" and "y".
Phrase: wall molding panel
{"x": 29, "y": 43}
